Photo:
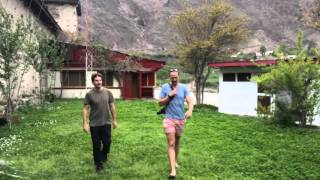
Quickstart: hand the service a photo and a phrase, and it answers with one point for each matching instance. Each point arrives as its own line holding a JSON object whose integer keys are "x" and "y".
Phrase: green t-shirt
{"x": 99, "y": 102}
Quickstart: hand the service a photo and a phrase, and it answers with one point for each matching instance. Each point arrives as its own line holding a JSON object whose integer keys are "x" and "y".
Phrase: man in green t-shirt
{"x": 101, "y": 103}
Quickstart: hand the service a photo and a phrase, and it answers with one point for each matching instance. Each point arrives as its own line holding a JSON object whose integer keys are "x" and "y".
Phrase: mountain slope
{"x": 135, "y": 25}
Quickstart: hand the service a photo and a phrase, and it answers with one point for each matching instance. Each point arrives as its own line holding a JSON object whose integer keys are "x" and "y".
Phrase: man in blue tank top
{"x": 173, "y": 96}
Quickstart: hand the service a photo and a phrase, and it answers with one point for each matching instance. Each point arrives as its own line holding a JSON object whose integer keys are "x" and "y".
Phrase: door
{"x": 130, "y": 85}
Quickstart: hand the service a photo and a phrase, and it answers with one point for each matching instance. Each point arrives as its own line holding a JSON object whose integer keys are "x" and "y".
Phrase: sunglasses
{"x": 174, "y": 70}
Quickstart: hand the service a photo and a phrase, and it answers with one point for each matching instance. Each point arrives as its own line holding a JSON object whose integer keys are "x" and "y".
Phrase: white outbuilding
{"x": 237, "y": 93}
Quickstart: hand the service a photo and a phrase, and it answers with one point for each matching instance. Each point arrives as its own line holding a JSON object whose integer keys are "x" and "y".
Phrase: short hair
{"x": 93, "y": 76}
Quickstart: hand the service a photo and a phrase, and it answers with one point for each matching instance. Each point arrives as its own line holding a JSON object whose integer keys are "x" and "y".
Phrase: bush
{"x": 204, "y": 107}
{"x": 296, "y": 84}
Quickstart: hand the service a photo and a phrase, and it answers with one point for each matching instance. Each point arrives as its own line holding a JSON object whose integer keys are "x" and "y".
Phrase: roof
{"x": 148, "y": 64}
{"x": 243, "y": 63}
{"x": 72, "y": 2}
{"x": 40, "y": 11}
{"x": 61, "y": 2}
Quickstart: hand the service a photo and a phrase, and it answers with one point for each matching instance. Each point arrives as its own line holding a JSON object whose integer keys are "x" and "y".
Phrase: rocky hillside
{"x": 136, "y": 25}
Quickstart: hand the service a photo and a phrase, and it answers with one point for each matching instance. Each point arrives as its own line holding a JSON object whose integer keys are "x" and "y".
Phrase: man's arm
{"x": 114, "y": 115}
{"x": 84, "y": 118}
{"x": 190, "y": 107}
{"x": 165, "y": 100}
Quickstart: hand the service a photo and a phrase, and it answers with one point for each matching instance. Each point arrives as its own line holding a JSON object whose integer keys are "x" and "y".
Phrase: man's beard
{"x": 174, "y": 82}
{"x": 98, "y": 86}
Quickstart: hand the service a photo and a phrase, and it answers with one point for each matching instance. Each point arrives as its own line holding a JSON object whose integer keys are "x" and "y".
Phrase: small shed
{"x": 237, "y": 93}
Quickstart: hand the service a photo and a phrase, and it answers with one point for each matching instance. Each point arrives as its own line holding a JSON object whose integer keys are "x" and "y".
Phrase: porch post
{"x": 123, "y": 79}
{"x": 140, "y": 85}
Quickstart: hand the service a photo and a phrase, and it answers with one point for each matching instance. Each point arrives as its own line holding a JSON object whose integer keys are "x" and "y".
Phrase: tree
{"x": 296, "y": 84}
{"x": 101, "y": 57}
{"x": 263, "y": 50}
{"x": 15, "y": 44}
{"x": 204, "y": 33}
{"x": 48, "y": 52}
{"x": 284, "y": 50}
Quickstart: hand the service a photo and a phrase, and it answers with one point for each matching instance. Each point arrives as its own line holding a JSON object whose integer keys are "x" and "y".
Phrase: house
{"x": 237, "y": 94}
{"x": 41, "y": 20}
{"x": 73, "y": 79}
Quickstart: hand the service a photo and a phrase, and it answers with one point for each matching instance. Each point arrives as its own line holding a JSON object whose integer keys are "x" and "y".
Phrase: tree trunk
{"x": 20, "y": 82}
{"x": 198, "y": 88}
{"x": 40, "y": 88}
{"x": 60, "y": 96}
{"x": 200, "y": 66}
{"x": 204, "y": 80}
{"x": 8, "y": 108}
{"x": 52, "y": 81}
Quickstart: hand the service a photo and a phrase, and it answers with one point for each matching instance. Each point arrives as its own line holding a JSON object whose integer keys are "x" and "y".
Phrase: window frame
{"x": 81, "y": 79}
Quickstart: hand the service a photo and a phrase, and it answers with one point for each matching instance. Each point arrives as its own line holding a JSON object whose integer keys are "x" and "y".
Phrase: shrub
{"x": 296, "y": 84}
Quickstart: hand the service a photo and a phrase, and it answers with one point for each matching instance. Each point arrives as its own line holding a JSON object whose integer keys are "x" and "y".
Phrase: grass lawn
{"x": 49, "y": 143}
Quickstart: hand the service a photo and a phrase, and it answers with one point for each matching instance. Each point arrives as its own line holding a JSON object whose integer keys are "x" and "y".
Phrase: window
{"x": 148, "y": 79}
{"x": 73, "y": 78}
{"x": 107, "y": 79}
{"x": 264, "y": 103}
{"x": 244, "y": 76}
{"x": 67, "y": 55}
{"x": 229, "y": 76}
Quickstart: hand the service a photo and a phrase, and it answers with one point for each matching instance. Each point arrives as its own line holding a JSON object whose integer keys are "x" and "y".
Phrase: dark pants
{"x": 101, "y": 141}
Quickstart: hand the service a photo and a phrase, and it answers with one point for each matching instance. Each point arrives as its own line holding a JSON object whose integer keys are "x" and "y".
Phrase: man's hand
{"x": 86, "y": 128}
{"x": 173, "y": 92}
{"x": 114, "y": 124}
{"x": 188, "y": 114}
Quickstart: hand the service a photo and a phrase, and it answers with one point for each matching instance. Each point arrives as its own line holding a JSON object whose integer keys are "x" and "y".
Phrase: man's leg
{"x": 106, "y": 141}
{"x": 179, "y": 130}
{"x": 96, "y": 144}
{"x": 171, "y": 152}
{"x": 177, "y": 146}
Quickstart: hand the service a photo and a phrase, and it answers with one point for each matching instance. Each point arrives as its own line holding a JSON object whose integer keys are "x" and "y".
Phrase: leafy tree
{"x": 263, "y": 50}
{"x": 15, "y": 44}
{"x": 50, "y": 52}
{"x": 204, "y": 33}
{"x": 101, "y": 57}
{"x": 284, "y": 49}
{"x": 296, "y": 84}
{"x": 47, "y": 52}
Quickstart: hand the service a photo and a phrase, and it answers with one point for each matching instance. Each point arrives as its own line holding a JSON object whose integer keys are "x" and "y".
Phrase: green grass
{"x": 50, "y": 144}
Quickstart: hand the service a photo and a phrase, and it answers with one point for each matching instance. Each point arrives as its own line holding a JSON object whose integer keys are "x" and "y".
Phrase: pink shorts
{"x": 173, "y": 126}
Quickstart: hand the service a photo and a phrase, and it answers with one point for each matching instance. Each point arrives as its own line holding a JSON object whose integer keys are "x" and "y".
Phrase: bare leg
{"x": 171, "y": 153}
{"x": 176, "y": 147}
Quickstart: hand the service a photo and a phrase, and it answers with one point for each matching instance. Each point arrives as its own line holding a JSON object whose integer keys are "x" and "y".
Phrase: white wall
{"x": 30, "y": 81}
{"x": 80, "y": 93}
{"x": 237, "y": 97}
{"x": 66, "y": 17}
{"x": 18, "y": 9}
